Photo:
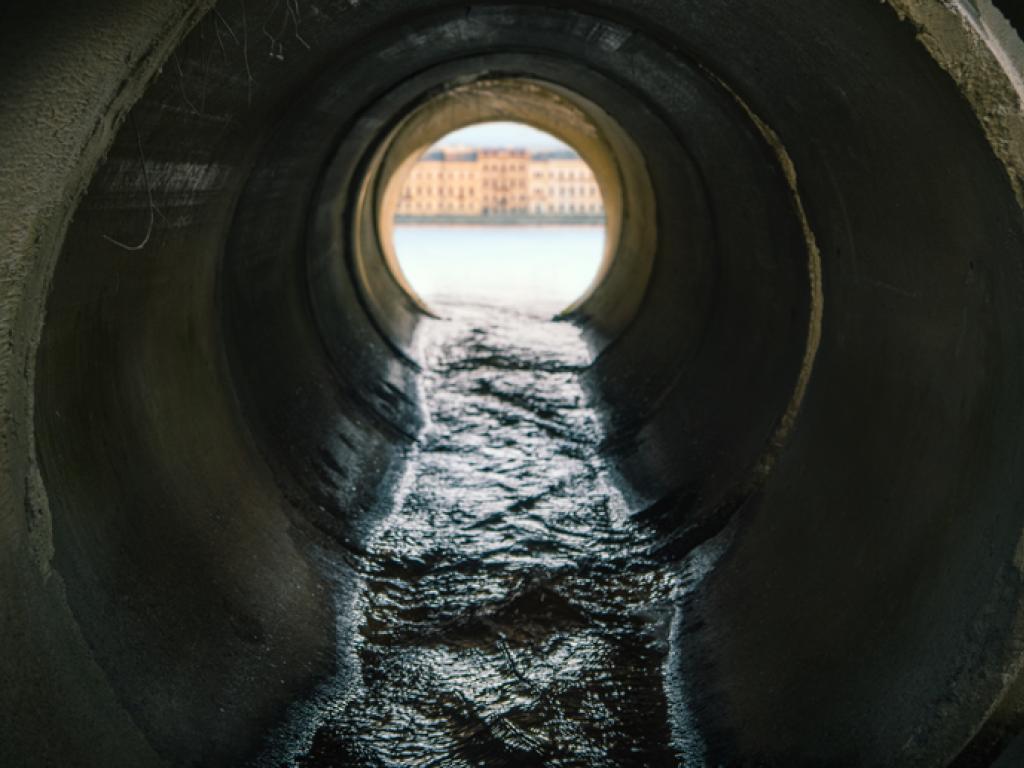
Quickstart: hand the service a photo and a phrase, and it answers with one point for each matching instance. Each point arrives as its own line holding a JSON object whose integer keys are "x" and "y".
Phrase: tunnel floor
{"x": 508, "y": 613}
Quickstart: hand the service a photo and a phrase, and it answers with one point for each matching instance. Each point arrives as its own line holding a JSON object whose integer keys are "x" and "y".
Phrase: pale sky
{"x": 501, "y": 135}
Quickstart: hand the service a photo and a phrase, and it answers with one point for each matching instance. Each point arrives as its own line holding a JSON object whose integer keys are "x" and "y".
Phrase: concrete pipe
{"x": 808, "y": 338}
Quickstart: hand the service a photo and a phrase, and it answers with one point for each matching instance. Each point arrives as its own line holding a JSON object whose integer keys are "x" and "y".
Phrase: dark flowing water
{"x": 507, "y": 613}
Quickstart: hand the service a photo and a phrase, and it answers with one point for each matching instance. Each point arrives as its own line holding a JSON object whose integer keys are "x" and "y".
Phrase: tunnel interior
{"x": 804, "y": 345}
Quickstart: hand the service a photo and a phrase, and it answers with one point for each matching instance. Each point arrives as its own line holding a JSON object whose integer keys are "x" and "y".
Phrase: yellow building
{"x": 444, "y": 183}
{"x": 500, "y": 183}
{"x": 561, "y": 184}
{"x": 504, "y": 176}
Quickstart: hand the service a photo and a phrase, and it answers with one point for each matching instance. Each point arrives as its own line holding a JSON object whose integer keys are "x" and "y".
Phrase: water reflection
{"x": 508, "y": 614}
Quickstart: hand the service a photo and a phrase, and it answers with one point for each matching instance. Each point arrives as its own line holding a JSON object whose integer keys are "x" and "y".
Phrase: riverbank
{"x": 500, "y": 221}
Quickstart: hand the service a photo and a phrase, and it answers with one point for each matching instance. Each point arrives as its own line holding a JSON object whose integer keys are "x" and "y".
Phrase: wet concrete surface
{"x": 507, "y": 611}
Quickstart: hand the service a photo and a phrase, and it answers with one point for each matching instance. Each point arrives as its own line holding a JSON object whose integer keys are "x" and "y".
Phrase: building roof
{"x": 472, "y": 155}
{"x": 459, "y": 156}
{"x": 557, "y": 154}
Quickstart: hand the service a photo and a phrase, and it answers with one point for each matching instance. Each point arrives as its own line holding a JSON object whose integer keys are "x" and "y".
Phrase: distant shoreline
{"x": 500, "y": 221}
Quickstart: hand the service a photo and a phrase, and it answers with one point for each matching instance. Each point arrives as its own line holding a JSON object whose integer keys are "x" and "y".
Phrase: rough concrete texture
{"x": 979, "y": 49}
{"x": 208, "y": 397}
{"x": 63, "y": 102}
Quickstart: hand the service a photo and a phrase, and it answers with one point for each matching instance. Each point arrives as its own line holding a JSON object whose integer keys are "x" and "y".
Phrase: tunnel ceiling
{"x": 807, "y": 351}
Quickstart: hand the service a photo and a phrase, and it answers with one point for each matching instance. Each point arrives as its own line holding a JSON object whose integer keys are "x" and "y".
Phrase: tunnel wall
{"x": 186, "y": 429}
{"x": 57, "y": 705}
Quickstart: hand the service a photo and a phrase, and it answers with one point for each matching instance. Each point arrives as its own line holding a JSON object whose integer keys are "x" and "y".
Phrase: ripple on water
{"x": 507, "y": 614}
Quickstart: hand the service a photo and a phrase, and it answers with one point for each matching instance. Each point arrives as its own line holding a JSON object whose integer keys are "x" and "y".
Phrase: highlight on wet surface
{"x": 509, "y": 610}
{"x": 500, "y": 213}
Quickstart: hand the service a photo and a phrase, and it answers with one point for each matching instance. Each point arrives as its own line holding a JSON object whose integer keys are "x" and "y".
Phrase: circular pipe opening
{"x": 438, "y": 102}
{"x": 497, "y": 213}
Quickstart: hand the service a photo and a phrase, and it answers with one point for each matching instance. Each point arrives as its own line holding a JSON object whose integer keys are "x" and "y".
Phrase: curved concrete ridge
{"x": 976, "y": 45}
{"x": 195, "y": 425}
{"x": 816, "y": 300}
{"x": 997, "y": 95}
{"x": 51, "y": 682}
{"x": 982, "y": 54}
{"x": 95, "y": 101}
